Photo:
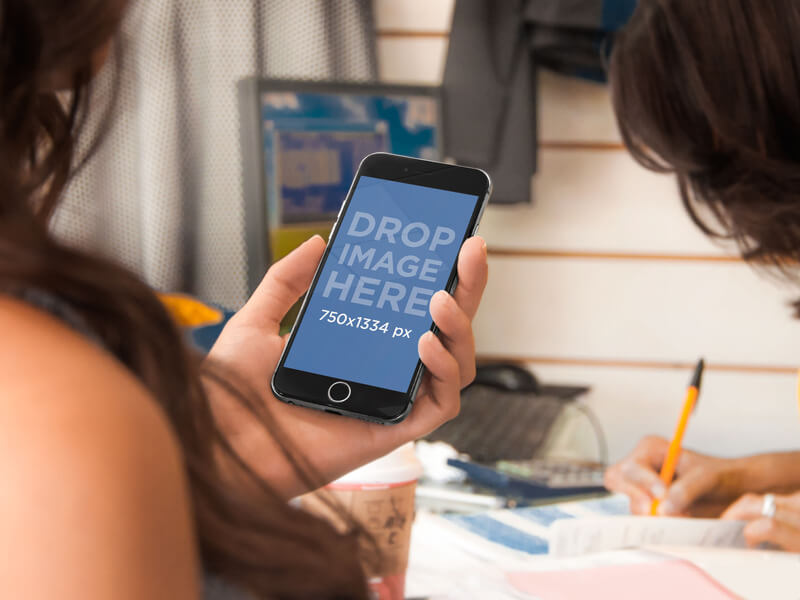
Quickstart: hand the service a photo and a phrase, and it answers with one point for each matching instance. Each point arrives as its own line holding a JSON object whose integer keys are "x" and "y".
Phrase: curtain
{"x": 163, "y": 194}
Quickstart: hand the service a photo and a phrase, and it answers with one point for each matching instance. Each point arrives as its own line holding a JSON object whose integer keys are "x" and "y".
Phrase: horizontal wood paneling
{"x": 406, "y": 33}
{"x": 590, "y": 201}
{"x": 412, "y": 60}
{"x": 742, "y": 369}
{"x": 581, "y": 145}
{"x": 738, "y": 414}
{"x": 636, "y": 311}
{"x": 414, "y": 15}
{"x": 599, "y": 255}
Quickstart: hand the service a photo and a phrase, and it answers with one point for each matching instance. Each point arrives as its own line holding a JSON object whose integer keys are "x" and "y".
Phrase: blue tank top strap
{"x": 59, "y": 309}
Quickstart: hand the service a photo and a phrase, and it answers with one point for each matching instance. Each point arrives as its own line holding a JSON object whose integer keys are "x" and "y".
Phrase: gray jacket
{"x": 489, "y": 83}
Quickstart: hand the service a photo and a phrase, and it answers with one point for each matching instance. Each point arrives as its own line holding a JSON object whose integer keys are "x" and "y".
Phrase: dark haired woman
{"x": 129, "y": 468}
{"x": 709, "y": 90}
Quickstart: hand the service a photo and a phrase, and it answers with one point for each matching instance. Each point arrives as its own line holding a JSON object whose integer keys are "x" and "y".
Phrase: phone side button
{"x": 480, "y": 216}
{"x": 339, "y": 392}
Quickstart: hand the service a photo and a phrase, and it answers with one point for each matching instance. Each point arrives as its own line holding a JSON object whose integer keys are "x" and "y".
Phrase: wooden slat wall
{"x": 605, "y": 281}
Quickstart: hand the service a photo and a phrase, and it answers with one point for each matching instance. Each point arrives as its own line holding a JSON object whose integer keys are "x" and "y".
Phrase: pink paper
{"x": 662, "y": 580}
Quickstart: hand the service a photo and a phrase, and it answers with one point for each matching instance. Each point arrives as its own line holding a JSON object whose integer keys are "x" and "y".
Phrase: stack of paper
{"x": 502, "y": 555}
{"x": 575, "y": 537}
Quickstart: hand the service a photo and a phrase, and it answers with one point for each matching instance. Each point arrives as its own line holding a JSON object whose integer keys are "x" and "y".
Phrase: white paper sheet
{"x": 574, "y": 537}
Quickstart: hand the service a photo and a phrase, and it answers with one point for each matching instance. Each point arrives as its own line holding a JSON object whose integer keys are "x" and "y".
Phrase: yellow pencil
{"x": 674, "y": 450}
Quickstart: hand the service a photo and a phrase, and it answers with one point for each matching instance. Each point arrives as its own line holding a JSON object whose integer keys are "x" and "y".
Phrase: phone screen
{"x": 395, "y": 247}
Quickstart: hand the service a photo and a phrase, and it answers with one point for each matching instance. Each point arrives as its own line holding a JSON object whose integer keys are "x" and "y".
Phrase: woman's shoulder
{"x": 94, "y": 486}
{"x": 52, "y": 366}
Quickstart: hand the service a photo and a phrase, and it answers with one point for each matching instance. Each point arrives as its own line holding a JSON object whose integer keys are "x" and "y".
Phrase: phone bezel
{"x": 367, "y": 402}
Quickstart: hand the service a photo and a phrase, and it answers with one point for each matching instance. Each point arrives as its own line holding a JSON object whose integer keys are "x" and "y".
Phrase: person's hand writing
{"x": 704, "y": 486}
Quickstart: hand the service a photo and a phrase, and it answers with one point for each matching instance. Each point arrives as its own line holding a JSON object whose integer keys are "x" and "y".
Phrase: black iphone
{"x": 353, "y": 349}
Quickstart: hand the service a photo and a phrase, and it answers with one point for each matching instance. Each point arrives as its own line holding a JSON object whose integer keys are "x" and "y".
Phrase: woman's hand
{"x": 705, "y": 485}
{"x": 782, "y": 529}
{"x": 251, "y": 346}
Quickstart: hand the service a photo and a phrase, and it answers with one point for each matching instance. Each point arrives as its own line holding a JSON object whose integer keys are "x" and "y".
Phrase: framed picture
{"x": 302, "y": 143}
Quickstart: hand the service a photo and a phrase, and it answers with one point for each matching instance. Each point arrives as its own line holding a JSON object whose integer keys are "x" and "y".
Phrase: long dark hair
{"x": 709, "y": 90}
{"x": 255, "y": 540}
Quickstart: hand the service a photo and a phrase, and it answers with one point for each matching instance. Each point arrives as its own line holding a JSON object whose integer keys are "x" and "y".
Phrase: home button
{"x": 339, "y": 392}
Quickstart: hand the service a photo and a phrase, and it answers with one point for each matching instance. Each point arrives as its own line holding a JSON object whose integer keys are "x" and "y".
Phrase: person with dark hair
{"x": 130, "y": 466}
{"x": 709, "y": 91}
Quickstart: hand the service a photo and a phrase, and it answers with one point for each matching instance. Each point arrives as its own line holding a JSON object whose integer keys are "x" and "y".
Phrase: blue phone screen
{"x": 396, "y": 247}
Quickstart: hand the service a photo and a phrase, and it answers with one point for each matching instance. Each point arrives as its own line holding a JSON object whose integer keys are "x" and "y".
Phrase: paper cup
{"x": 380, "y": 496}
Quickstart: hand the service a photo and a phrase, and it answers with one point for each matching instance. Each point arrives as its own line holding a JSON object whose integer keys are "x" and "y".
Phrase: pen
{"x": 674, "y": 451}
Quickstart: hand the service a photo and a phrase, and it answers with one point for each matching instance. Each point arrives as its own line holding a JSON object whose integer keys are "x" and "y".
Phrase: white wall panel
{"x": 411, "y": 60}
{"x": 414, "y": 15}
{"x": 636, "y": 310}
{"x": 738, "y": 414}
{"x": 597, "y": 201}
{"x": 574, "y": 110}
